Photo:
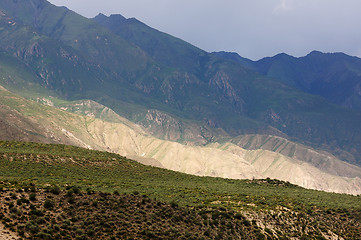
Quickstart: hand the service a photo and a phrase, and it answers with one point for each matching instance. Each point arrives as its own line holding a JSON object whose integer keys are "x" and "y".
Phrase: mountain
{"x": 163, "y": 48}
{"x": 334, "y": 76}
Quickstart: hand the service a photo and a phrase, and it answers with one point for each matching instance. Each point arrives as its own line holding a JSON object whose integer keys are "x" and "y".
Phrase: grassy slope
{"x": 47, "y": 124}
{"x": 258, "y": 200}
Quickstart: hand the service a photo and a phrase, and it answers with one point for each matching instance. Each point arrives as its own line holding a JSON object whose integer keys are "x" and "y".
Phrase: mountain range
{"x": 151, "y": 96}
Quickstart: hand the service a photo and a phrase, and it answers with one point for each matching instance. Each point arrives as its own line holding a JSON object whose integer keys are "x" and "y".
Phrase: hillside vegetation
{"x": 59, "y": 192}
{"x": 25, "y": 120}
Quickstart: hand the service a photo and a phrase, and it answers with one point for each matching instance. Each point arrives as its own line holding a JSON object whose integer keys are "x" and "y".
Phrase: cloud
{"x": 284, "y": 5}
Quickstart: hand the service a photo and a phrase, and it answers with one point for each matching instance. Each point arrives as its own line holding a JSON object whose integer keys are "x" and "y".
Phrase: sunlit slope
{"x": 320, "y": 159}
{"x": 123, "y": 137}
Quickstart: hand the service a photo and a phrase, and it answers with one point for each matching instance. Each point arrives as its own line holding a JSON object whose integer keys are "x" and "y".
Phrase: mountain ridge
{"x": 334, "y": 76}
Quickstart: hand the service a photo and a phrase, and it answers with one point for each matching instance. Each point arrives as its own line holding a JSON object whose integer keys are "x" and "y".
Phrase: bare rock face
{"x": 222, "y": 81}
{"x": 165, "y": 126}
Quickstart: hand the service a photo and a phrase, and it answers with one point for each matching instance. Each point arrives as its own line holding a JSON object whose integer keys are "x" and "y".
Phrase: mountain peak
{"x": 100, "y": 16}
{"x": 117, "y": 17}
{"x": 319, "y": 53}
{"x": 315, "y": 53}
{"x": 113, "y": 18}
{"x": 283, "y": 55}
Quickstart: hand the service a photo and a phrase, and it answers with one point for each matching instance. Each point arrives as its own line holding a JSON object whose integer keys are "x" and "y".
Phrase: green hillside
{"x": 223, "y": 208}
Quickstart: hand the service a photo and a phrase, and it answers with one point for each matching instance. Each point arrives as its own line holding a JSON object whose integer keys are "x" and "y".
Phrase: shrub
{"x": 71, "y": 200}
{"x": 95, "y": 203}
{"x": 76, "y": 190}
{"x": 174, "y": 204}
{"x": 89, "y": 191}
{"x": 269, "y": 231}
{"x": 13, "y": 210}
{"x": 239, "y": 216}
{"x": 36, "y": 212}
{"x": 21, "y": 201}
{"x": 48, "y": 204}
{"x": 43, "y": 235}
{"x": 55, "y": 190}
{"x": 69, "y": 193}
{"x": 32, "y": 196}
{"x": 40, "y": 220}
{"x": 32, "y": 227}
{"x": 13, "y": 195}
{"x": 246, "y": 223}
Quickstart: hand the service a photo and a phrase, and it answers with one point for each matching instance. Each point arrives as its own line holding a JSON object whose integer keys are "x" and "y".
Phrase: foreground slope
{"x": 55, "y": 192}
{"x": 31, "y": 121}
{"x": 194, "y": 85}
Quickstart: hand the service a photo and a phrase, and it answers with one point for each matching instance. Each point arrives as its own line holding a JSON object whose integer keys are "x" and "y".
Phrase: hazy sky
{"x": 252, "y": 28}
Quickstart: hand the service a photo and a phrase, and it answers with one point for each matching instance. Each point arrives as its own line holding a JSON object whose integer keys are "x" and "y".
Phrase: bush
{"x": 55, "y": 190}
{"x": 174, "y": 204}
{"x": 13, "y": 210}
{"x": 269, "y": 231}
{"x": 71, "y": 200}
{"x": 43, "y": 235}
{"x": 36, "y": 212}
{"x": 13, "y": 195}
{"x": 48, "y": 204}
{"x": 239, "y": 216}
{"x": 76, "y": 190}
{"x": 21, "y": 201}
{"x": 32, "y": 227}
{"x": 32, "y": 196}
{"x": 95, "y": 203}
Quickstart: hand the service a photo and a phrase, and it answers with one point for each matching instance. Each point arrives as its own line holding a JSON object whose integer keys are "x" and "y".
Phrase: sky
{"x": 252, "y": 28}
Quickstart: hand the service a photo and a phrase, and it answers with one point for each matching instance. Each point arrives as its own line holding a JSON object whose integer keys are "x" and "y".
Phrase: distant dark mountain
{"x": 334, "y": 76}
{"x": 132, "y": 68}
